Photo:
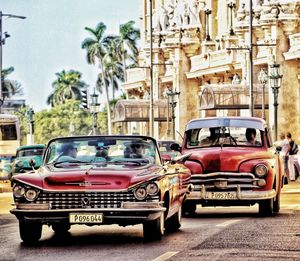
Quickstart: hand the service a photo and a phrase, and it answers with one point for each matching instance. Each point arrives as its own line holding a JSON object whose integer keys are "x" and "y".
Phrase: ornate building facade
{"x": 202, "y": 53}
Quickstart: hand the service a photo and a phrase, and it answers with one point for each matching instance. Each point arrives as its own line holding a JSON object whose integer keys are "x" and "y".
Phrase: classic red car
{"x": 233, "y": 163}
{"x": 97, "y": 180}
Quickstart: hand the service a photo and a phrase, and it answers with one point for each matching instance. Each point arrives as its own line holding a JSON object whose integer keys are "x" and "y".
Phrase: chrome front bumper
{"x": 130, "y": 212}
{"x": 239, "y": 194}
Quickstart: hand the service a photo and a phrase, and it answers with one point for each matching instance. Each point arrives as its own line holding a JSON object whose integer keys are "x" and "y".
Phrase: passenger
{"x": 213, "y": 137}
{"x": 251, "y": 137}
{"x": 69, "y": 149}
{"x": 138, "y": 150}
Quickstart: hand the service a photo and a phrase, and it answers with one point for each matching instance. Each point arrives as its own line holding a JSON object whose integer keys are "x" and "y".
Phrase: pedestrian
{"x": 284, "y": 145}
{"x": 292, "y": 155}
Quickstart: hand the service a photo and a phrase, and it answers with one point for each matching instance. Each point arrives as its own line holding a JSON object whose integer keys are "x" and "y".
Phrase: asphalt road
{"x": 213, "y": 234}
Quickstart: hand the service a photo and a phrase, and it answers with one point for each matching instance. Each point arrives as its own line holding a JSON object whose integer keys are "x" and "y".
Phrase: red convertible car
{"x": 97, "y": 180}
{"x": 233, "y": 163}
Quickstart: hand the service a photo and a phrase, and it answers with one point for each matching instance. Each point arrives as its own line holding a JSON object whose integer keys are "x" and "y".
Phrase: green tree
{"x": 67, "y": 86}
{"x": 65, "y": 120}
{"x": 127, "y": 41}
{"x": 113, "y": 66}
{"x": 10, "y": 87}
{"x": 96, "y": 48}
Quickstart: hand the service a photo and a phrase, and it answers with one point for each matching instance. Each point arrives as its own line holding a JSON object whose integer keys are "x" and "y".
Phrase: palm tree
{"x": 128, "y": 36}
{"x": 113, "y": 65}
{"x": 96, "y": 50}
{"x": 10, "y": 87}
{"x": 67, "y": 86}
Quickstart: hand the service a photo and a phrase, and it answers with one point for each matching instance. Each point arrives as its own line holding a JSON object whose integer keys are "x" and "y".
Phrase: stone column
{"x": 188, "y": 101}
{"x": 158, "y": 70}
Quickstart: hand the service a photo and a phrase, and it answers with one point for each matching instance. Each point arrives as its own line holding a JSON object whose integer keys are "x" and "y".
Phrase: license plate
{"x": 220, "y": 195}
{"x": 85, "y": 218}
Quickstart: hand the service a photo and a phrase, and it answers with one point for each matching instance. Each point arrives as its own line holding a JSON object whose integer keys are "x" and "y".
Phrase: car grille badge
{"x": 85, "y": 202}
{"x": 220, "y": 184}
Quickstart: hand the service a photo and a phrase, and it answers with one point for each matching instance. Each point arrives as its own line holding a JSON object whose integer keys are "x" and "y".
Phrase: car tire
{"x": 174, "y": 222}
{"x": 30, "y": 232}
{"x": 154, "y": 229}
{"x": 266, "y": 207}
{"x": 276, "y": 206}
{"x": 61, "y": 228}
{"x": 189, "y": 209}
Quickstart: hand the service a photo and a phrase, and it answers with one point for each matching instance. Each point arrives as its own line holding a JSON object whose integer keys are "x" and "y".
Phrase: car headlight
{"x": 261, "y": 170}
{"x": 20, "y": 164}
{"x": 31, "y": 194}
{"x": 18, "y": 191}
{"x": 140, "y": 193}
{"x": 152, "y": 189}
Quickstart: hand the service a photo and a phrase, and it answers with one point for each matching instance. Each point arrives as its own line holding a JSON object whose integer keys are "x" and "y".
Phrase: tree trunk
{"x": 107, "y": 100}
{"x": 124, "y": 65}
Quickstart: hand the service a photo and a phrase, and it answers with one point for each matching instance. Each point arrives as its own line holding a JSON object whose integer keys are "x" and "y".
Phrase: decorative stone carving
{"x": 161, "y": 19}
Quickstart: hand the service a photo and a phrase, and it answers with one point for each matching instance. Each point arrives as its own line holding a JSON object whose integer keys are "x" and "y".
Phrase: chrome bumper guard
{"x": 239, "y": 194}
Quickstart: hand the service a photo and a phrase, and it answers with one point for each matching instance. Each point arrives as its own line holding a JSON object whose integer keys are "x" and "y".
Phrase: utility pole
{"x": 151, "y": 112}
{"x": 251, "y": 105}
{"x": 1, "y": 43}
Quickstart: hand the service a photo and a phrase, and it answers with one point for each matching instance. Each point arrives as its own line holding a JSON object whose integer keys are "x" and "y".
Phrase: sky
{"x": 49, "y": 40}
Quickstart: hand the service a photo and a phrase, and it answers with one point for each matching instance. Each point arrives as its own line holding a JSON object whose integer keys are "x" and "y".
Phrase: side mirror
{"x": 175, "y": 147}
{"x": 32, "y": 163}
{"x": 181, "y": 159}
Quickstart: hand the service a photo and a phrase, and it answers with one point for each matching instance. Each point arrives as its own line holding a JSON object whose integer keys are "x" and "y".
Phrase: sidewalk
{"x": 5, "y": 186}
{"x": 292, "y": 188}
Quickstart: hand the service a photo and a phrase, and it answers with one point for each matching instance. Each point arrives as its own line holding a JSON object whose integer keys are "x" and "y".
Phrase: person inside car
{"x": 213, "y": 137}
{"x": 251, "y": 137}
{"x": 69, "y": 149}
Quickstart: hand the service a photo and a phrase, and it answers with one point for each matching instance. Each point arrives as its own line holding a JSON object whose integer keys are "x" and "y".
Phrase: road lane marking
{"x": 165, "y": 256}
{"x": 228, "y": 223}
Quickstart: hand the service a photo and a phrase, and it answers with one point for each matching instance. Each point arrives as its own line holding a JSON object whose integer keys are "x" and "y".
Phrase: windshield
{"x": 30, "y": 152}
{"x": 224, "y": 136}
{"x": 102, "y": 151}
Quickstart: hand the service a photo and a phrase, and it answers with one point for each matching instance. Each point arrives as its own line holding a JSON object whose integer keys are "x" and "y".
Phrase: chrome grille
{"x": 77, "y": 200}
{"x": 246, "y": 181}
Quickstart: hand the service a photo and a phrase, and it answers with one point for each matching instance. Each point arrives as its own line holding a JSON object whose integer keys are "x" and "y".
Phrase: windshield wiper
{"x": 57, "y": 163}
{"x": 126, "y": 162}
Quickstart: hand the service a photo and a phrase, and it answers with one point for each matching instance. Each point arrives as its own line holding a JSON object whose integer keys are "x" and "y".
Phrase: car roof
{"x": 34, "y": 146}
{"x": 247, "y": 122}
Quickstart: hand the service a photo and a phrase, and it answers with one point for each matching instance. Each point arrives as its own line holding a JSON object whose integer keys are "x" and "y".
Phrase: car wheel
{"x": 266, "y": 207}
{"x": 174, "y": 222}
{"x": 30, "y": 232}
{"x": 61, "y": 228}
{"x": 154, "y": 229}
{"x": 276, "y": 205}
{"x": 189, "y": 209}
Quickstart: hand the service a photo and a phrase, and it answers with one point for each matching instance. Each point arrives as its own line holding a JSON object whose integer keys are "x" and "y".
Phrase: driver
{"x": 69, "y": 149}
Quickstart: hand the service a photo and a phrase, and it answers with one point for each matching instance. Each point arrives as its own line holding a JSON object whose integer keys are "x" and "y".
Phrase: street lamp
{"x": 207, "y": 14}
{"x": 94, "y": 110}
{"x": 30, "y": 117}
{"x": 2, "y": 41}
{"x": 263, "y": 79}
{"x": 171, "y": 100}
{"x": 275, "y": 82}
{"x": 231, "y": 5}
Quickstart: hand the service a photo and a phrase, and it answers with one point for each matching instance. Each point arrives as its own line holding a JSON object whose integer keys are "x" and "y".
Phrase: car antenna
{"x": 180, "y": 135}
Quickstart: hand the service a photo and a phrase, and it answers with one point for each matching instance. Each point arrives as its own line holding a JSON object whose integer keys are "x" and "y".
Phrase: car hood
{"x": 225, "y": 158}
{"x": 26, "y": 160}
{"x": 88, "y": 179}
